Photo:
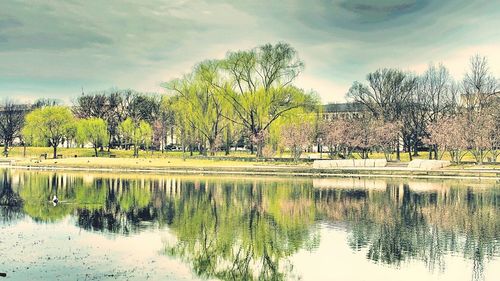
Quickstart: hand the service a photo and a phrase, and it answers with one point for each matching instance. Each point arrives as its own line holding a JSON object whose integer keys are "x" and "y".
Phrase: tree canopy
{"x": 49, "y": 125}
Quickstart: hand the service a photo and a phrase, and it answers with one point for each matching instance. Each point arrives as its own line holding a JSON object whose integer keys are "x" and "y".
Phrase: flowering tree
{"x": 480, "y": 133}
{"x": 386, "y": 136}
{"x": 297, "y": 137}
{"x": 335, "y": 137}
{"x": 449, "y": 134}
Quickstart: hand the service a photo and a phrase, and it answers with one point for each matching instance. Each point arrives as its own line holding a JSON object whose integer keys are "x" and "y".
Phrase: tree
{"x": 479, "y": 87}
{"x": 261, "y": 87}
{"x": 93, "y": 130}
{"x": 386, "y": 96}
{"x": 164, "y": 124}
{"x": 95, "y": 105}
{"x": 43, "y": 102}
{"x": 11, "y": 122}
{"x": 137, "y": 133}
{"x": 439, "y": 97}
{"x": 297, "y": 136}
{"x": 449, "y": 134}
{"x": 480, "y": 135}
{"x": 361, "y": 135}
{"x": 49, "y": 124}
{"x": 335, "y": 137}
{"x": 201, "y": 103}
{"x": 386, "y": 137}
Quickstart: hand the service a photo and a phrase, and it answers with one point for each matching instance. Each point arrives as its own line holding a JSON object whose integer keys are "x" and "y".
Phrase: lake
{"x": 175, "y": 227}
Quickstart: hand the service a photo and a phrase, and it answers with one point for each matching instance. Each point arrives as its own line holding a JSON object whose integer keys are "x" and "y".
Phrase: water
{"x": 170, "y": 227}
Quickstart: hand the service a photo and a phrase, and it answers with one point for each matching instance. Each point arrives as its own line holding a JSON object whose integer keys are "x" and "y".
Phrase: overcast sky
{"x": 54, "y": 48}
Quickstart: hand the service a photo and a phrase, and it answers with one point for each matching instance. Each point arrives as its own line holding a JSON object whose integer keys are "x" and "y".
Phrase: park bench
{"x": 59, "y": 156}
{"x": 112, "y": 156}
{"x": 43, "y": 155}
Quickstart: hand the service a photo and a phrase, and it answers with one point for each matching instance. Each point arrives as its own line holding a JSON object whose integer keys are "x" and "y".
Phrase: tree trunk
{"x": 415, "y": 147}
{"x": 211, "y": 144}
{"x": 398, "y": 156}
{"x": 55, "y": 151}
{"x": 95, "y": 150}
{"x": 6, "y": 149}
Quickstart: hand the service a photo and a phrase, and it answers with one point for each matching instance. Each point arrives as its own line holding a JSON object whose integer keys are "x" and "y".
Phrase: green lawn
{"x": 35, "y": 152}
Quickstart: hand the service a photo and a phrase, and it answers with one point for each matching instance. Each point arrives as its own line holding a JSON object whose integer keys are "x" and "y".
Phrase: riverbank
{"x": 202, "y": 166}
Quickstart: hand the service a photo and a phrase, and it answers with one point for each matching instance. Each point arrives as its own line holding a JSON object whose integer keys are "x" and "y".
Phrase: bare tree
{"x": 479, "y": 87}
{"x": 11, "y": 123}
{"x": 387, "y": 95}
{"x": 438, "y": 97}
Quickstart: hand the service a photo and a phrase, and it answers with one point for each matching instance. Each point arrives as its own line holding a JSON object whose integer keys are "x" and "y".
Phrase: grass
{"x": 124, "y": 158}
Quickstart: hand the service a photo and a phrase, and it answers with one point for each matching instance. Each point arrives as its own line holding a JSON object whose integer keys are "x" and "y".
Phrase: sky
{"x": 55, "y": 48}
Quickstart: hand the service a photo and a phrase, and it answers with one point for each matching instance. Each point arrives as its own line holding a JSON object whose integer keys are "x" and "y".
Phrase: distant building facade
{"x": 333, "y": 111}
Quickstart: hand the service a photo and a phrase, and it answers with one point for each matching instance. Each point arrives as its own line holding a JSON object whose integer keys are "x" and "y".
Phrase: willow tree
{"x": 261, "y": 87}
{"x": 137, "y": 133}
{"x": 94, "y": 131}
{"x": 200, "y": 102}
{"x": 49, "y": 125}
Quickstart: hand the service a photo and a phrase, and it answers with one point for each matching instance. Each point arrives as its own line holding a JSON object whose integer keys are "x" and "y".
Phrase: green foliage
{"x": 200, "y": 103}
{"x": 137, "y": 133}
{"x": 50, "y": 125}
{"x": 248, "y": 89}
{"x": 93, "y": 130}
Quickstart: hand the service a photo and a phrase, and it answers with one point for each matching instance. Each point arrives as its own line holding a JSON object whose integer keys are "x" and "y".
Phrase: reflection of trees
{"x": 246, "y": 229}
{"x": 37, "y": 192}
{"x": 398, "y": 224}
{"x": 115, "y": 205}
{"x": 10, "y": 201}
{"x": 111, "y": 204}
{"x": 241, "y": 231}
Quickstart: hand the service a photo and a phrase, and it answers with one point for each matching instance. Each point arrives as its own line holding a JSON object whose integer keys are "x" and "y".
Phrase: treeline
{"x": 429, "y": 111}
{"x": 242, "y": 100}
{"x": 248, "y": 100}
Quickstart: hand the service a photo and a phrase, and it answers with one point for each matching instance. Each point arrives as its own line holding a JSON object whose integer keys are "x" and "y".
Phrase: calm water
{"x": 137, "y": 227}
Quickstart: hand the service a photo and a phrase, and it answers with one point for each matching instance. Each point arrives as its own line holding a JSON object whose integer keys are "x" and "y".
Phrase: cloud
{"x": 56, "y": 47}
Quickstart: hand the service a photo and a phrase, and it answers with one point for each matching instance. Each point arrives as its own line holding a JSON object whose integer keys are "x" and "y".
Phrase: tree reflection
{"x": 242, "y": 230}
{"x": 399, "y": 224}
{"x": 10, "y": 201}
{"x": 247, "y": 229}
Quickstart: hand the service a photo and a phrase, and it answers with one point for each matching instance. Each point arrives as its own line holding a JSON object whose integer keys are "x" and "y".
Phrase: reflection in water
{"x": 248, "y": 229}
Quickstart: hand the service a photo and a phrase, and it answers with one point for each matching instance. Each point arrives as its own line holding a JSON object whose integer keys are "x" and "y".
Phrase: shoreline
{"x": 271, "y": 170}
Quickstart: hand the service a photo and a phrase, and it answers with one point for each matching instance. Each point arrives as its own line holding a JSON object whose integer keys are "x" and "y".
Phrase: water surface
{"x": 170, "y": 227}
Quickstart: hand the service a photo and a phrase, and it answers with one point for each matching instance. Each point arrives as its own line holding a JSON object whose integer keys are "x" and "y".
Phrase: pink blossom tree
{"x": 481, "y": 135}
{"x": 335, "y": 137}
{"x": 297, "y": 137}
{"x": 386, "y": 136}
{"x": 449, "y": 134}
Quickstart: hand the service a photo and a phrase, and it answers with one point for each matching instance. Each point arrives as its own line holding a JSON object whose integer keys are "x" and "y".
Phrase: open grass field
{"x": 239, "y": 162}
{"x": 35, "y": 152}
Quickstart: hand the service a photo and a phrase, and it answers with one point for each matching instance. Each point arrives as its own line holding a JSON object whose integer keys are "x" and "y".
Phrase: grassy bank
{"x": 35, "y": 152}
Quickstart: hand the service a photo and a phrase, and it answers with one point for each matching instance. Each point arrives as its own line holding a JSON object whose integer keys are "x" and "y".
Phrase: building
{"x": 334, "y": 111}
